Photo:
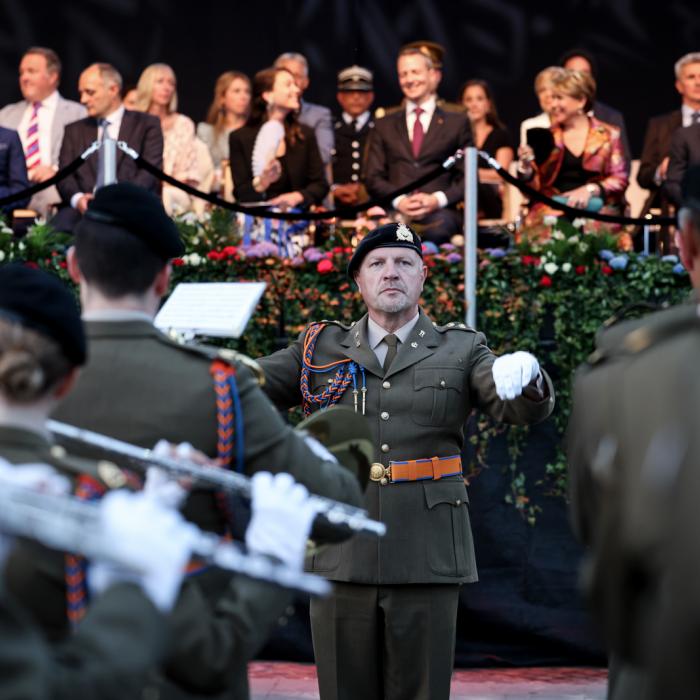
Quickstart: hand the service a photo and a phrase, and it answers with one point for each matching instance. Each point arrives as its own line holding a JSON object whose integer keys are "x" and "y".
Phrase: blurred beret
{"x": 434, "y": 51}
{"x": 387, "y": 236}
{"x": 690, "y": 188}
{"x": 346, "y": 435}
{"x": 40, "y": 301}
{"x": 355, "y": 78}
{"x": 137, "y": 212}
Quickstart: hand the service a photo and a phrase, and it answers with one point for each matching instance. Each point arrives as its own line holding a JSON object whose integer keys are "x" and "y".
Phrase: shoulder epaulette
{"x": 453, "y": 326}
{"x": 340, "y": 324}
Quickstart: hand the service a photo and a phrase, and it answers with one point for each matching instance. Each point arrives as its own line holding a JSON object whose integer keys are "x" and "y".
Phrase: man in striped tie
{"x": 40, "y": 119}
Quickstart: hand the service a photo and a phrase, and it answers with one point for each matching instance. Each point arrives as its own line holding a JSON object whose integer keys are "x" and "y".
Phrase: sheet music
{"x": 219, "y": 309}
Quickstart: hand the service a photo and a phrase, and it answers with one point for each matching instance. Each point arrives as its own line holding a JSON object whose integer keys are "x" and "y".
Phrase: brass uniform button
{"x": 58, "y": 451}
{"x": 385, "y": 447}
{"x": 386, "y": 385}
{"x": 384, "y": 415}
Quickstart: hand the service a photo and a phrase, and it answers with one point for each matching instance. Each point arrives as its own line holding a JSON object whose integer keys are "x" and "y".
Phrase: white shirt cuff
{"x": 441, "y": 198}
{"x": 75, "y": 199}
{"x": 397, "y": 200}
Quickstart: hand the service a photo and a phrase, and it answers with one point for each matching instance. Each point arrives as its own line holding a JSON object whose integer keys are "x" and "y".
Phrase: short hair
{"x": 31, "y": 363}
{"x": 582, "y": 53}
{"x": 144, "y": 87}
{"x": 108, "y": 73}
{"x": 291, "y": 56}
{"x": 116, "y": 262}
{"x": 690, "y": 216}
{"x": 683, "y": 61}
{"x": 53, "y": 62}
{"x": 544, "y": 78}
{"x": 576, "y": 84}
{"x": 415, "y": 51}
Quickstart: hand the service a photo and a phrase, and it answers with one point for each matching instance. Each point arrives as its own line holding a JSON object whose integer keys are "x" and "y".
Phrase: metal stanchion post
{"x": 107, "y": 162}
{"x": 471, "y": 177}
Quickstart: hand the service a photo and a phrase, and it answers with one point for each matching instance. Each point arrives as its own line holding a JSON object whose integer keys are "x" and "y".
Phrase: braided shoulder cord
{"x": 332, "y": 393}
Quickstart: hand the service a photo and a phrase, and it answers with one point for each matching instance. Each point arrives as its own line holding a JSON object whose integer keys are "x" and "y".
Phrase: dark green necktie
{"x": 392, "y": 341}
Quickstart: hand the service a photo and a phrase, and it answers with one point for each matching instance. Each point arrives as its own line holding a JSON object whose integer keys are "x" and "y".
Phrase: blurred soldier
{"x": 632, "y": 432}
{"x": 388, "y": 632}
{"x": 355, "y": 95}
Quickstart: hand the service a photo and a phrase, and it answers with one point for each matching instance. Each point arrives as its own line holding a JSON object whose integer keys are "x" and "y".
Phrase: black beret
{"x": 690, "y": 188}
{"x": 40, "y": 301}
{"x": 387, "y": 236}
{"x": 136, "y": 211}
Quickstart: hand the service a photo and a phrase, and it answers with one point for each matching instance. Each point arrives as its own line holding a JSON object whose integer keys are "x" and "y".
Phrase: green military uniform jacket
{"x": 630, "y": 437}
{"x": 122, "y": 636}
{"x": 418, "y": 410}
{"x": 141, "y": 386}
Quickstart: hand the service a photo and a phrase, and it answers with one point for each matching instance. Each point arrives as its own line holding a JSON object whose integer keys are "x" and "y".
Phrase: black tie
{"x": 353, "y": 123}
{"x": 695, "y": 118}
{"x": 392, "y": 341}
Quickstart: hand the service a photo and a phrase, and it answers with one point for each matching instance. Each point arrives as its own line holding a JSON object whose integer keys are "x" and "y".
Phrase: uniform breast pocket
{"x": 448, "y": 538}
{"x": 437, "y": 392}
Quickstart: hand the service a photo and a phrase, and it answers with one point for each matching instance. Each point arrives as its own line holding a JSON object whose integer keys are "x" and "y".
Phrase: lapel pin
{"x": 414, "y": 345}
{"x": 421, "y": 333}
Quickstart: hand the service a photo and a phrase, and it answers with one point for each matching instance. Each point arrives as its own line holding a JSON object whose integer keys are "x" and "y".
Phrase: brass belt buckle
{"x": 378, "y": 472}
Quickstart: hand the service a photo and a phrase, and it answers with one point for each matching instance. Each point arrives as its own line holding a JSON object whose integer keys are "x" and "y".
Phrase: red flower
{"x": 606, "y": 270}
{"x": 545, "y": 281}
{"x": 324, "y": 266}
{"x": 63, "y": 265}
{"x": 338, "y": 250}
{"x": 215, "y": 255}
{"x": 177, "y": 262}
{"x": 33, "y": 265}
{"x": 581, "y": 269}
{"x": 230, "y": 250}
{"x": 530, "y": 260}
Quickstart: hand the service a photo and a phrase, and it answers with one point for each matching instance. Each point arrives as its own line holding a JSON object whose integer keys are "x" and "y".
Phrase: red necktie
{"x": 418, "y": 133}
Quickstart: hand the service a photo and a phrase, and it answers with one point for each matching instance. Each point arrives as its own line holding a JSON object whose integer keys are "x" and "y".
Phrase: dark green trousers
{"x": 385, "y": 642}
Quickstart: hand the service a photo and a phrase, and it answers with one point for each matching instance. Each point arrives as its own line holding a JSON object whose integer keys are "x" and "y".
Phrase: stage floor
{"x": 284, "y": 681}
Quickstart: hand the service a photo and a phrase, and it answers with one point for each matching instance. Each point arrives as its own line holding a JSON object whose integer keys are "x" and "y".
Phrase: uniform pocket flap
{"x": 438, "y": 378}
{"x": 452, "y": 491}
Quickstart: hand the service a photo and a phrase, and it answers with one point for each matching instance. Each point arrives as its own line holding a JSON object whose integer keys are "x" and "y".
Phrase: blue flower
{"x": 429, "y": 248}
{"x": 678, "y": 268}
{"x": 313, "y": 254}
{"x": 453, "y": 258}
{"x": 670, "y": 258}
{"x": 619, "y": 262}
{"x": 448, "y": 246}
{"x": 497, "y": 252}
{"x": 606, "y": 254}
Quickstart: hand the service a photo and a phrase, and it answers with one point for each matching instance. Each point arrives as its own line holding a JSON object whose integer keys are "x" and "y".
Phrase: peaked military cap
{"x": 40, "y": 301}
{"x": 355, "y": 78}
{"x": 387, "y": 236}
{"x": 137, "y": 212}
{"x": 691, "y": 188}
{"x": 346, "y": 435}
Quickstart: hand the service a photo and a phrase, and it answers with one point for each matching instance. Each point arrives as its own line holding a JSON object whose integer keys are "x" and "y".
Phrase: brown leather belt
{"x": 416, "y": 469}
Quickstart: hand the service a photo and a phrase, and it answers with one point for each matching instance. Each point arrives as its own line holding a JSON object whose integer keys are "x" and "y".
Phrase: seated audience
{"x": 654, "y": 162}
{"x": 13, "y": 171}
{"x": 489, "y": 135}
{"x": 293, "y": 174}
{"x": 543, "y": 90}
{"x": 228, "y": 111}
{"x": 39, "y": 119}
{"x": 157, "y": 95}
{"x": 355, "y": 95}
{"x": 584, "y": 165}
{"x": 130, "y": 97}
{"x": 100, "y": 91}
{"x": 583, "y": 60}
{"x": 316, "y": 116}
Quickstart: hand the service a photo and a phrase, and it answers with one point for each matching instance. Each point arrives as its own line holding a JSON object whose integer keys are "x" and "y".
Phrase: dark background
{"x": 503, "y": 41}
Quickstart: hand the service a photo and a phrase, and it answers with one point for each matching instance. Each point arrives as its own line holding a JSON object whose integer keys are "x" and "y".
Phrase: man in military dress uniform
{"x": 632, "y": 448}
{"x": 141, "y": 386}
{"x": 355, "y": 96}
{"x": 389, "y": 629}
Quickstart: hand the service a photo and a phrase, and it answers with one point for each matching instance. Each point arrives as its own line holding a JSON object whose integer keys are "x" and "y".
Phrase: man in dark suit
{"x": 654, "y": 163}
{"x": 684, "y": 153}
{"x": 413, "y": 141}
{"x": 100, "y": 91}
{"x": 13, "y": 170}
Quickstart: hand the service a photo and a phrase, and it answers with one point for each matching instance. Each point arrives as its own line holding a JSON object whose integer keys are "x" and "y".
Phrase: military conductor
{"x": 389, "y": 630}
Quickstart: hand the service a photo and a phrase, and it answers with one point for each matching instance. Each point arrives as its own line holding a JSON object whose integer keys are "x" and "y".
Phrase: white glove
{"x": 159, "y": 485}
{"x": 281, "y": 518}
{"x": 512, "y": 372}
{"x": 152, "y": 544}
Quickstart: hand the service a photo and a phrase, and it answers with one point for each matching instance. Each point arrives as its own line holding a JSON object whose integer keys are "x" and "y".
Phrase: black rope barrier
{"x": 573, "y": 211}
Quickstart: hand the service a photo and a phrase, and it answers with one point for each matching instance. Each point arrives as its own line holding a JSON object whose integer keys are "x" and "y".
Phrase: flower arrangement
{"x": 546, "y": 297}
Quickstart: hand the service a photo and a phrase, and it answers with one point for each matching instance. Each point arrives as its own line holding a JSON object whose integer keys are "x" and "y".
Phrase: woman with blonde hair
{"x": 228, "y": 111}
{"x": 157, "y": 95}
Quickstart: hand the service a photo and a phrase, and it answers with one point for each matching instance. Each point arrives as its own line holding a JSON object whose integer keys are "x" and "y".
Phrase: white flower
{"x": 21, "y": 246}
{"x": 550, "y": 268}
{"x": 6, "y": 230}
{"x": 566, "y": 267}
{"x": 2, "y": 255}
{"x": 583, "y": 247}
{"x": 573, "y": 239}
{"x": 193, "y": 259}
{"x": 558, "y": 235}
{"x": 578, "y": 223}
{"x": 188, "y": 217}
{"x": 549, "y": 220}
